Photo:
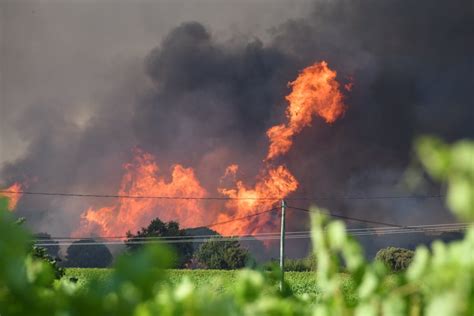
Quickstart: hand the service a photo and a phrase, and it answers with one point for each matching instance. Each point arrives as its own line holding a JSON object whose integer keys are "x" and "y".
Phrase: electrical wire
{"x": 409, "y": 231}
{"x": 344, "y": 217}
{"x": 224, "y": 239}
{"x": 190, "y": 237}
{"x": 374, "y": 230}
{"x": 125, "y": 196}
{"x": 434, "y": 228}
{"x": 219, "y": 239}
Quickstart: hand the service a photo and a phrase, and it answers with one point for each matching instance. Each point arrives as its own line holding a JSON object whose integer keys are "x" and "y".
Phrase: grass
{"x": 220, "y": 281}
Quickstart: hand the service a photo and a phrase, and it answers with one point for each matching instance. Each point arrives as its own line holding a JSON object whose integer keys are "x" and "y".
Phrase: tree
{"x": 52, "y": 249}
{"x": 200, "y": 233}
{"x": 87, "y": 253}
{"x": 42, "y": 254}
{"x": 396, "y": 259}
{"x": 171, "y": 231}
{"x": 217, "y": 253}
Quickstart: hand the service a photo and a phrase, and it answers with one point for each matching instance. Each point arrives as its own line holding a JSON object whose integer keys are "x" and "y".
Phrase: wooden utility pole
{"x": 282, "y": 244}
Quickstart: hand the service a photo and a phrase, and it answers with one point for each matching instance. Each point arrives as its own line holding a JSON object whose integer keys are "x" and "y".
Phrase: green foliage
{"x": 217, "y": 253}
{"x": 85, "y": 276}
{"x": 157, "y": 228}
{"x": 308, "y": 263}
{"x": 42, "y": 254}
{"x": 440, "y": 282}
{"x": 25, "y": 283}
{"x": 200, "y": 233}
{"x": 217, "y": 281}
{"x": 395, "y": 259}
{"x": 437, "y": 283}
{"x": 86, "y": 253}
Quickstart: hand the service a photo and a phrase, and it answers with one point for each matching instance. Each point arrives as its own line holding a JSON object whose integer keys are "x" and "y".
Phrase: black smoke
{"x": 206, "y": 102}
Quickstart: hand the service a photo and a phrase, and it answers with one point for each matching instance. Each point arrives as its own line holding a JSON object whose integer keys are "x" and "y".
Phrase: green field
{"x": 219, "y": 281}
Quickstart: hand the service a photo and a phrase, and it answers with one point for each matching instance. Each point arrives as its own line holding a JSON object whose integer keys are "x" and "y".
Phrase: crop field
{"x": 220, "y": 281}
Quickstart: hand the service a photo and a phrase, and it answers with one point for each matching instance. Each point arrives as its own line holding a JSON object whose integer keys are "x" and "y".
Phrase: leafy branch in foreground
{"x": 41, "y": 253}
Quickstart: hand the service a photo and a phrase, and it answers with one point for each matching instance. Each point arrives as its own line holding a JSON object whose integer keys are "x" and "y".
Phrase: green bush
{"x": 308, "y": 263}
{"x": 395, "y": 259}
{"x": 218, "y": 253}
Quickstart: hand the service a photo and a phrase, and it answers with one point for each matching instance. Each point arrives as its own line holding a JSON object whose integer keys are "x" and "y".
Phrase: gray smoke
{"x": 204, "y": 98}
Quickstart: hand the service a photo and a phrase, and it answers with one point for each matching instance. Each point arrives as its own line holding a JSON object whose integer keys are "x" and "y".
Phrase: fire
{"x": 142, "y": 178}
{"x": 231, "y": 170}
{"x": 272, "y": 185}
{"x": 13, "y": 198}
{"x": 314, "y": 92}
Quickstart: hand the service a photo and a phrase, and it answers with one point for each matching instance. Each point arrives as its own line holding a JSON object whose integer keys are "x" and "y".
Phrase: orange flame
{"x": 315, "y": 91}
{"x": 13, "y": 198}
{"x": 141, "y": 178}
{"x": 272, "y": 185}
{"x": 231, "y": 170}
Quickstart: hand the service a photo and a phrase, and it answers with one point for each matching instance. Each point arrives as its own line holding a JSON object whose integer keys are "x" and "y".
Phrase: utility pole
{"x": 282, "y": 244}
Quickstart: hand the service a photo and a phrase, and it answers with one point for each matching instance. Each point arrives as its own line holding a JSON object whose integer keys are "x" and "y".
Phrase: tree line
{"x": 213, "y": 253}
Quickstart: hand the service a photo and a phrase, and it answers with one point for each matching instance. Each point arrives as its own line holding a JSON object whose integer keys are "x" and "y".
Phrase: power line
{"x": 407, "y": 232}
{"x": 354, "y": 231}
{"x": 391, "y": 226}
{"x": 410, "y": 231}
{"x": 249, "y": 216}
{"x": 126, "y": 196}
{"x": 222, "y": 198}
{"x": 345, "y": 217}
{"x": 203, "y": 226}
{"x": 276, "y": 236}
{"x": 428, "y": 226}
{"x": 190, "y": 237}
{"x": 175, "y": 239}
{"x": 202, "y": 240}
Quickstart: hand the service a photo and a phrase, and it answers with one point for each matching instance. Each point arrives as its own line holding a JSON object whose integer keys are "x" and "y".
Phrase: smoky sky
{"x": 190, "y": 94}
